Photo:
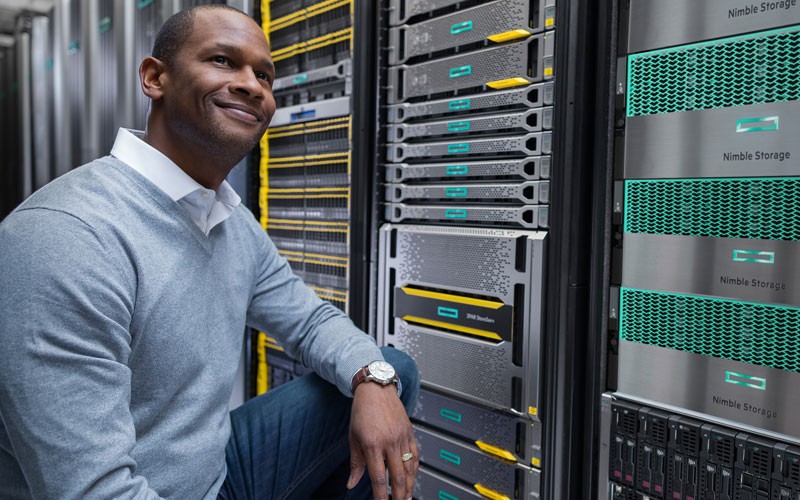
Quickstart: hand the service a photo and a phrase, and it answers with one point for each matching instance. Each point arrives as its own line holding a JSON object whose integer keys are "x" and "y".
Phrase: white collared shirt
{"x": 206, "y": 207}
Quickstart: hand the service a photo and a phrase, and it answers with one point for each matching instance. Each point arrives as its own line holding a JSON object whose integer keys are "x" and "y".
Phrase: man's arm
{"x": 65, "y": 310}
{"x": 326, "y": 340}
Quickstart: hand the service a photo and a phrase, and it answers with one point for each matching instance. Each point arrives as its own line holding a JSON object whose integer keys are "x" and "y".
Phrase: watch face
{"x": 382, "y": 371}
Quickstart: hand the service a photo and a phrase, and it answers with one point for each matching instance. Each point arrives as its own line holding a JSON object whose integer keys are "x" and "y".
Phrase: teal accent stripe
{"x": 458, "y": 126}
{"x": 455, "y": 214}
{"x": 456, "y": 170}
{"x": 141, "y": 4}
{"x": 460, "y": 71}
{"x": 450, "y": 415}
{"x": 756, "y": 256}
{"x": 459, "y": 104}
{"x": 450, "y": 457}
{"x": 447, "y": 312}
{"x": 300, "y": 78}
{"x": 462, "y": 147}
{"x": 743, "y": 125}
{"x": 460, "y": 27}
{"x": 456, "y": 192}
{"x": 746, "y": 380}
{"x": 748, "y": 332}
{"x": 446, "y": 496}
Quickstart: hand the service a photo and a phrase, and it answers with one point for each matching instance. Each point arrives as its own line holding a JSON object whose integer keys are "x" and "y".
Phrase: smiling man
{"x": 125, "y": 287}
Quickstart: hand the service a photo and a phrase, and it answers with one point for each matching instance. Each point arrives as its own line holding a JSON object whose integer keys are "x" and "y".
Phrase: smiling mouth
{"x": 240, "y": 113}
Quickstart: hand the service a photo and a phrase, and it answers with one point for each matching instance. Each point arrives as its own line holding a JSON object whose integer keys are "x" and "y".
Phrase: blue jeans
{"x": 292, "y": 442}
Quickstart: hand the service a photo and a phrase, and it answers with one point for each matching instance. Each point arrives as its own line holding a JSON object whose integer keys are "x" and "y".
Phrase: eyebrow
{"x": 238, "y": 52}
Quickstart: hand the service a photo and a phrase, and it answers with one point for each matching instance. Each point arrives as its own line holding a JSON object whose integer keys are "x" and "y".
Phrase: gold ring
{"x": 405, "y": 457}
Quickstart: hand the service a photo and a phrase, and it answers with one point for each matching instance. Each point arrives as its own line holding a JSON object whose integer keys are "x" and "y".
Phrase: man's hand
{"x": 380, "y": 433}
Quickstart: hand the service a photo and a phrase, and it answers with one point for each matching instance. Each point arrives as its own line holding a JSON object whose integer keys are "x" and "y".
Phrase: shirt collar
{"x": 161, "y": 171}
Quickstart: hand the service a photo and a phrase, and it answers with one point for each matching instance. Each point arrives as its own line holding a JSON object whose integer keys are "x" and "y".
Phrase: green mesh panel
{"x": 757, "y": 208}
{"x": 752, "y": 69}
{"x": 758, "y": 334}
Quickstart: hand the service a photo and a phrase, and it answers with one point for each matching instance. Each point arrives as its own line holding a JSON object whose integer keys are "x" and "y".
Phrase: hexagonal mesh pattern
{"x": 757, "y": 208}
{"x": 759, "y": 334}
{"x": 751, "y": 69}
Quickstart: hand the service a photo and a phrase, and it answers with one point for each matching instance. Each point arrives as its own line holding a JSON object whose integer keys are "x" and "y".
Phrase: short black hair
{"x": 177, "y": 29}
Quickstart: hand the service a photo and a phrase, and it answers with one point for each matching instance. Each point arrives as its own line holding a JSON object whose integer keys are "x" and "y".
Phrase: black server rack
{"x": 701, "y": 308}
{"x": 306, "y": 160}
{"x": 467, "y": 122}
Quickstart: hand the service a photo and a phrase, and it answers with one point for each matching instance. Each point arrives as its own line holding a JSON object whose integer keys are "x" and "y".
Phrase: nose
{"x": 246, "y": 83}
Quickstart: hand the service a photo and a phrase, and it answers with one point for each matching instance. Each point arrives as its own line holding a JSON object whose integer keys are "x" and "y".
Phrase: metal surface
{"x": 528, "y": 217}
{"x": 532, "y": 168}
{"x": 529, "y": 60}
{"x": 656, "y": 24}
{"x": 41, "y": 105}
{"x": 319, "y": 110}
{"x": 465, "y": 26}
{"x": 431, "y": 485}
{"x": 532, "y": 120}
{"x": 468, "y": 463}
{"x": 512, "y": 434}
{"x": 532, "y": 96}
{"x": 531, "y": 192}
{"x": 698, "y": 383}
{"x": 340, "y": 70}
{"x": 533, "y": 144}
{"x": 23, "y": 47}
{"x": 401, "y": 10}
{"x": 762, "y": 271}
{"x": 604, "y": 448}
{"x": 715, "y": 143}
{"x": 504, "y": 375}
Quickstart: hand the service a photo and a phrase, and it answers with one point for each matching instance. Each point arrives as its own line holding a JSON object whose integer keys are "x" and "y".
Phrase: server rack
{"x": 472, "y": 155}
{"x": 306, "y": 171}
{"x": 701, "y": 311}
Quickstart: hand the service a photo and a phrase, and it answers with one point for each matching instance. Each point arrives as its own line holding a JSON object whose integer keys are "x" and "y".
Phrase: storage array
{"x": 467, "y": 119}
{"x": 305, "y": 163}
{"x": 705, "y": 313}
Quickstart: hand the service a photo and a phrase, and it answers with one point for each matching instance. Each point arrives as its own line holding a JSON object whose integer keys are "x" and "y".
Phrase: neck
{"x": 207, "y": 166}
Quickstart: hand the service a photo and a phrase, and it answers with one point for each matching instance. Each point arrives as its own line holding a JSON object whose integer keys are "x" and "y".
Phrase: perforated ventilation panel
{"x": 759, "y": 334}
{"x": 739, "y": 71}
{"x": 757, "y": 208}
{"x": 483, "y": 263}
{"x": 474, "y": 369}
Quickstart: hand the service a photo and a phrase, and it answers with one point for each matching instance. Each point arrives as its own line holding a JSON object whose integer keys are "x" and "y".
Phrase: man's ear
{"x": 152, "y": 76}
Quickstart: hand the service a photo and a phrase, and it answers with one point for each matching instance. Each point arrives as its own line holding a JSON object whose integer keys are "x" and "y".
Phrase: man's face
{"x": 220, "y": 86}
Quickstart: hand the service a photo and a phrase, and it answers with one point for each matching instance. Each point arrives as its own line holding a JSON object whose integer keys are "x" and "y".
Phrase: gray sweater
{"x": 120, "y": 333}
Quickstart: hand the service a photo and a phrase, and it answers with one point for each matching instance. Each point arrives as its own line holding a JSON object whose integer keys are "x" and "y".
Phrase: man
{"x": 125, "y": 286}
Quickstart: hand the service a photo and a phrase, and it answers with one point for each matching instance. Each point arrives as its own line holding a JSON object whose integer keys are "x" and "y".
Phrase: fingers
{"x": 377, "y": 474}
{"x": 397, "y": 471}
{"x": 411, "y": 467}
{"x": 357, "y": 464}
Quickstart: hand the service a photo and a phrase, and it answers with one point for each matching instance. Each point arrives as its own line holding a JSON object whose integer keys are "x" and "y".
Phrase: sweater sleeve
{"x": 66, "y": 300}
{"x": 311, "y": 330}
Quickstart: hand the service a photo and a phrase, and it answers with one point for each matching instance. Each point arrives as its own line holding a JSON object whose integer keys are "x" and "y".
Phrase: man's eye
{"x": 261, "y": 75}
{"x": 220, "y": 59}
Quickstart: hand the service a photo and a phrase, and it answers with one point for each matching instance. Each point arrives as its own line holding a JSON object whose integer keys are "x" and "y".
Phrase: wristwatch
{"x": 378, "y": 371}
